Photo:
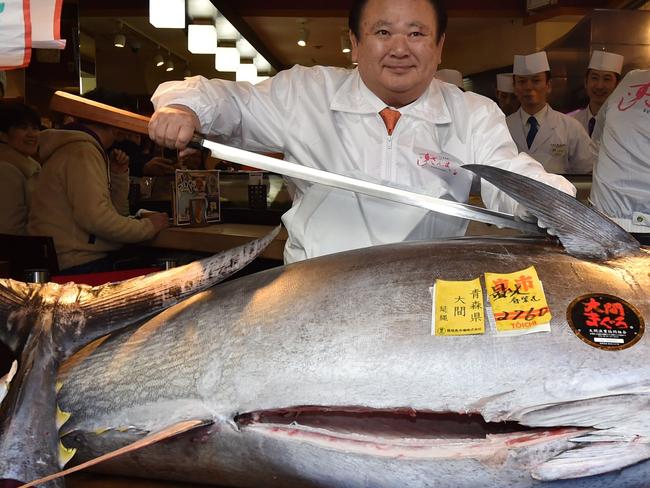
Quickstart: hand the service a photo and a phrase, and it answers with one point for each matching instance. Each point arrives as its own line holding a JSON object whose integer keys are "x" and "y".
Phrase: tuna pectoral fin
{"x": 592, "y": 459}
{"x": 168, "y": 432}
{"x": 114, "y": 305}
{"x": 5, "y": 381}
{"x": 584, "y": 232}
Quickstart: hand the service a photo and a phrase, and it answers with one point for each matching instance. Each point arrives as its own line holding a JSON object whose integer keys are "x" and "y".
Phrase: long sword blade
{"x": 293, "y": 170}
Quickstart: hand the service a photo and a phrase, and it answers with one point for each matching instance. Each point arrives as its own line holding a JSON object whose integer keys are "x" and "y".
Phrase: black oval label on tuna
{"x": 605, "y": 321}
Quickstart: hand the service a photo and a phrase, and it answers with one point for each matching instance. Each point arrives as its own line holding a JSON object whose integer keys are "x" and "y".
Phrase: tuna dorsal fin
{"x": 109, "y": 307}
{"x": 584, "y": 232}
{"x": 166, "y": 433}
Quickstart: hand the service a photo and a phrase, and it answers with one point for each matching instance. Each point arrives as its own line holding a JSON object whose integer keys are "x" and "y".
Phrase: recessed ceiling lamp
{"x": 167, "y": 13}
{"x": 201, "y": 9}
{"x": 262, "y": 64}
{"x": 346, "y": 46}
{"x": 303, "y": 36}
{"x": 246, "y": 49}
{"x": 226, "y": 59}
{"x": 246, "y": 72}
{"x": 201, "y": 39}
{"x": 169, "y": 65}
{"x": 225, "y": 30}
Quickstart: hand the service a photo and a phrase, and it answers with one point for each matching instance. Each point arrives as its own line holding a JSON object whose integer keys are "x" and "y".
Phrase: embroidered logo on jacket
{"x": 437, "y": 161}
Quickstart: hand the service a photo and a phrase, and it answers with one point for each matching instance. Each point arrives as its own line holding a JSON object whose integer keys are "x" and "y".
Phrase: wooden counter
{"x": 219, "y": 237}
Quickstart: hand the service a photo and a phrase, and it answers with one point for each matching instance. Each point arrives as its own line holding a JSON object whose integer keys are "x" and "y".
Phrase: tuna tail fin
{"x": 112, "y": 306}
{"x": 584, "y": 232}
{"x": 166, "y": 433}
{"x": 13, "y": 295}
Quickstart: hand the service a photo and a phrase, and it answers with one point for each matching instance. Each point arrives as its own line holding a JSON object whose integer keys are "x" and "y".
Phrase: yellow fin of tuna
{"x": 65, "y": 454}
{"x": 61, "y": 417}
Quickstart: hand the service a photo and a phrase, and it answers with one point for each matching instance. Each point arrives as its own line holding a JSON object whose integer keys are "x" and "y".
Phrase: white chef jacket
{"x": 583, "y": 116}
{"x": 562, "y": 145}
{"x": 621, "y": 185}
{"x": 328, "y": 119}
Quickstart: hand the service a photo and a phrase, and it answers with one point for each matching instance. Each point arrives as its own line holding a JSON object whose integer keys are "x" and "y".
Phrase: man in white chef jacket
{"x": 602, "y": 77}
{"x": 388, "y": 121}
{"x": 452, "y": 76}
{"x": 621, "y": 186}
{"x": 505, "y": 93}
{"x": 556, "y": 140}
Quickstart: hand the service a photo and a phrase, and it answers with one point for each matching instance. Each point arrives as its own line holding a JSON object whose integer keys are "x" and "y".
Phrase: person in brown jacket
{"x": 19, "y": 127}
{"x": 81, "y": 198}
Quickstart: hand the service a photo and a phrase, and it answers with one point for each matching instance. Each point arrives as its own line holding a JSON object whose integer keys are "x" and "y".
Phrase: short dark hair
{"x": 547, "y": 73}
{"x": 356, "y": 11}
{"x": 17, "y": 114}
{"x": 618, "y": 76}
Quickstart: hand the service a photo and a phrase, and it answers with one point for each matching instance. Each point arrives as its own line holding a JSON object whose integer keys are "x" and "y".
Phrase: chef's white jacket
{"x": 328, "y": 119}
{"x": 583, "y": 115}
{"x": 562, "y": 145}
{"x": 621, "y": 185}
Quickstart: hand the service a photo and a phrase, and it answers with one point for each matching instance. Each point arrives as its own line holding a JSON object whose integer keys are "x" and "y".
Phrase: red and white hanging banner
{"x": 27, "y": 24}
{"x": 15, "y": 34}
{"x": 46, "y": 24}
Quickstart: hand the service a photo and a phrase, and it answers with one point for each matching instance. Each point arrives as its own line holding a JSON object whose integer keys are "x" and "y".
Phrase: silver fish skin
{"x": 323, "y": 373}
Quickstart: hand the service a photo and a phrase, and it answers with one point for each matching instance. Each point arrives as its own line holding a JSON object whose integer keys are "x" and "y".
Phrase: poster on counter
{"x": 196, "y": 197}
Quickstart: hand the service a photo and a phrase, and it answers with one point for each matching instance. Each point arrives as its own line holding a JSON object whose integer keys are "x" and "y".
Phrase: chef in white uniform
{"x": 506, "y": 98}
{"x": 621, "y": 186}
{"x": 602, "y": 77}
{"x": 452, "y": 76}
{"x": 556, "y": 140}
{"x": 388, "y": 121}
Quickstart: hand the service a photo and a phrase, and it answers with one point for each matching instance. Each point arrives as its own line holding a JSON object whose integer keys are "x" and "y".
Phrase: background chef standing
{"x": 388, "y": 121}
{"x": 556, "y": 140}
{"x": 602, "y": 77}
{"x": 505, "y": 93}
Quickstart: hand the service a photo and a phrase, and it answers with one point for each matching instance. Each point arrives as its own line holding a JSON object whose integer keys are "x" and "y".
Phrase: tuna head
{"x": 325, "y": 373}
{"x": 45, "y": 323}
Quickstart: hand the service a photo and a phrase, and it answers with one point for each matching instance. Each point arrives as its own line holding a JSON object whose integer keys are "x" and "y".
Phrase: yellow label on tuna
{"x": 458, "y": 308}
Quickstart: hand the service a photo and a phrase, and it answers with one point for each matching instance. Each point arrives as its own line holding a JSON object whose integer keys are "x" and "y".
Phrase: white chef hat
{"x": 604, "y": 61}
{"x": 3, "y": 81}
{"x": 531, "y": 64}
{"x": 452, "y": 76}
{"x": 504, "y": 83}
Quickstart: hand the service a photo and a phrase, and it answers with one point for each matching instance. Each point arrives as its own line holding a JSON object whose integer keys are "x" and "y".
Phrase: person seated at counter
{"x": 19, "y": 128}
{"x": 388, "y": 121}
{"x": 81, "y": 198}
{"x": 505, "y": 94}
{"x": 621, "y": 186}
{"x": 602, "y": 77}
{"x": 554, "y": 139}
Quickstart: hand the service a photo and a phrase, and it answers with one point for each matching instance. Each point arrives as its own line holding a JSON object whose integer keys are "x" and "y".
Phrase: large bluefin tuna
{"x": 324, "y": 373}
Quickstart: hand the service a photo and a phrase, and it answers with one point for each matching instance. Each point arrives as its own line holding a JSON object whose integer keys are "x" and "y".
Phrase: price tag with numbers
{"x": 518, "y": 302}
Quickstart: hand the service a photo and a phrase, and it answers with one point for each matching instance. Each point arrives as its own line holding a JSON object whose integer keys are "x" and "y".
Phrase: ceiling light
{"x": 158, "y": 60}
{"x": 169, "y": 65}
{"x": 262, "y": 64}
{"x": 167, "y": 13}
{"x": 303, "y": 36}
{"x": 346, "y": 47}
{"x": 246, "y": 49}
{"x": 225, "y": 30}
{"x": 246, "y": 72}
{"x": 201, "y": 9}
{"x": 201, "y": 39}
{"x": 120, "y": 40}
{"x": 226, "y": 59}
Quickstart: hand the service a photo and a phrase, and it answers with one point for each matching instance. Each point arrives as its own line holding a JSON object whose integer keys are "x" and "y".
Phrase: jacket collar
{"x": 353, "y": 96}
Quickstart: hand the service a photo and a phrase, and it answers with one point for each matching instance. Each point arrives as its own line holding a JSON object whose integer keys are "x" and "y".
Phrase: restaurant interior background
{"x": 481, "y": 41}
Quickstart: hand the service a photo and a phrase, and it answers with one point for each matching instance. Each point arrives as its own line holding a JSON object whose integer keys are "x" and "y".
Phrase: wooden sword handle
{"x": 98, "y": 112}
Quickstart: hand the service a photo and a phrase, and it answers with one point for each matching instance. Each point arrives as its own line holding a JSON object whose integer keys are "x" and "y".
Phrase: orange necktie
{"x": 390, "y": 118}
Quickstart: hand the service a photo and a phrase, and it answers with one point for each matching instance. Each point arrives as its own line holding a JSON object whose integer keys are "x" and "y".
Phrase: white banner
{"x": 46, "y": 24}
{"x": 15, "y": 34}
